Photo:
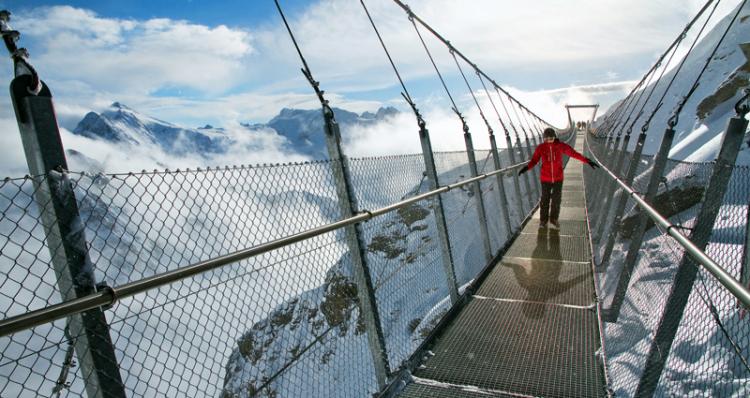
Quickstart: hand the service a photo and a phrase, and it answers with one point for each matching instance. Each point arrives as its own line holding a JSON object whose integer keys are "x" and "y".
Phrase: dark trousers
{"x": 551, "y": 192}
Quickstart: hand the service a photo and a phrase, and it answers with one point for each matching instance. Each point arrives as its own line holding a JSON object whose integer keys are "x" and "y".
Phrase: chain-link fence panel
{"x": 713, "y": 340}
{"x": 461, "y": 216}
{"x": 403, "y": 251}
{"x": 709, "y": 355}
{"x": 32, "y": 361}
{"x": 234, "y": 331}
{"x": 283, "y": 323}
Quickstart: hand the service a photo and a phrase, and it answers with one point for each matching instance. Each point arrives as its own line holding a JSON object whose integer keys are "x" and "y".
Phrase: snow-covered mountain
{"x": 703, "y": 119}
{"x": 305, "y": 128}
{"x": 302, "y": 131}
{"x": 121, "y": 124}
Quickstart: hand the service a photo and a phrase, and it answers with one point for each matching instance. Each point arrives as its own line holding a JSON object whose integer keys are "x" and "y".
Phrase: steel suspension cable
{"x": 675, "y": 116}
{"x": 507, "y": 114}
{"x": 674, "y": 43}
{"x": 468, "y": 86}
{"x": 432, "y": 60}
{"x": 413, "y": 17}
{"x": 679, "y": 67}
{"x": 306, "y": 70}
{"x": 405, "y": 93}
{"x": 489, "y": 96}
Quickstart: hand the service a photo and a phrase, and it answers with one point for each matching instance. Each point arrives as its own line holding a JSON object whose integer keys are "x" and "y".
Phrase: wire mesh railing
{"x": 710, "y": 350}
{"x": 285, "y": 322}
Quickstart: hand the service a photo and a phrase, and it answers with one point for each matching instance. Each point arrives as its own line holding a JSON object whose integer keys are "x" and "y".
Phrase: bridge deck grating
{"x": 531, "y": 329}
{"x": 540, "y": 281}
{"x": 525, "y": 348}
{"x": 567, "y": 227}
{"x": 554, "y": 247}
{"x": 414, "y": 390}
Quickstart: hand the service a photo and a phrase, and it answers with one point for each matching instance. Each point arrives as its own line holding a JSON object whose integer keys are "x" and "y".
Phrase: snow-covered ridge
{"x": 302, "y": 131}
{"x": 703, "y": 120}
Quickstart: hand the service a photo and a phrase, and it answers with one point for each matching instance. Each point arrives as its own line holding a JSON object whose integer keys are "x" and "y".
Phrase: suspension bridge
{"x": 353, "y": 277}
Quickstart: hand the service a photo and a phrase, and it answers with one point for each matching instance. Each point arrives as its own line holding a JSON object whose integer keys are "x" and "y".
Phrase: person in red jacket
{"x": 551, "y": 154}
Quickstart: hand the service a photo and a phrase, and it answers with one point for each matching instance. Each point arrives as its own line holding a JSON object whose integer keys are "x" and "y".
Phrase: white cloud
{"x": 221, "y": 75}
{"x": 137, "y": 57}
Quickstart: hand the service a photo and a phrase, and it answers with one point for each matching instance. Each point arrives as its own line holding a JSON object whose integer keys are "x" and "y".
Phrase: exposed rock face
{"x": 327, "y": 316}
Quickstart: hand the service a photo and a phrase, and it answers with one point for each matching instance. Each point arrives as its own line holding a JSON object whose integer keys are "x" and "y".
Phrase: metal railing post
{"x": 529, "y": 153}
{"x": 65, "y": 236}
{"x": 516, "y": 182}
{"x": 481, "y": 215}
{"x": 366, "y": 290}
{"x": 601, "y": 181}
{"x": 631, "y": 259}
{"x": 442, "y": 225}
{"x": 500, "y": 186}
{"x": 610, "y": 189}
{"x": 687, "y": 271}
{"x": 527, "y": 176}
{"x": 745, "y": 270}
{"x": 623, "y": 200}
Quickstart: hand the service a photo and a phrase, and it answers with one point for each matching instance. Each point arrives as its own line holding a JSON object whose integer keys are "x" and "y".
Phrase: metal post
{"x": 608, "y": 198}
{"x": 481, "y": 215}
{"x": 687, "y": 271}
{"x": 601, "y": 183}
{"x": 366, "y": 290}
{"x": 516, "y": 184}
{"x": 65, "y": 236}
{"x": 441, "y": 224}
{"x": 660, "y": 163}
{"x": 500, "y": 186}
{"x": 745, "y": 271}
{"x": 527, "y": 179}
{"x": 623, "y": 200}
{"x": 530, "y": 153}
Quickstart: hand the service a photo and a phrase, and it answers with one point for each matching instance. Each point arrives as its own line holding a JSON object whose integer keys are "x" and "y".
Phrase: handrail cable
{"x": 675, "y": 117}
{"x": 734, "y": 286}
{"x": 111, "y": 295}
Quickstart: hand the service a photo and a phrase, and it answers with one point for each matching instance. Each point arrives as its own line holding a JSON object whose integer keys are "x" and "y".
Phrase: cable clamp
{"x": 369, "y": 214}
{"x": 104, "y": 287}
{"x": 742, "y": 107}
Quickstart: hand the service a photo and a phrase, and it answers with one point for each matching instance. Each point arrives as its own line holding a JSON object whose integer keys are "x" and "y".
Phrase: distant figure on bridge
{"x": 551, "y": 152}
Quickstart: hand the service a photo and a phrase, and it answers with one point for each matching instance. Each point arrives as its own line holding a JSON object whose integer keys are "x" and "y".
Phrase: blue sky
{"x": 228, "y": 62}
{"x": 227, "y": 12}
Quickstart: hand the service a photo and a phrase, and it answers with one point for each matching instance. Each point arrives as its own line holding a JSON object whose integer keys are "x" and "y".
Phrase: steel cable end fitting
{"x": 673, "y": 120}
{"x": 742, "y": 107}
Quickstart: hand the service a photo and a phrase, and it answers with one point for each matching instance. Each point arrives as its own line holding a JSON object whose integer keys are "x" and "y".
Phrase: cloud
{"x": 192, "y": 74}
{"x": 139, "y": 57}
{"x": 250, "y": 148}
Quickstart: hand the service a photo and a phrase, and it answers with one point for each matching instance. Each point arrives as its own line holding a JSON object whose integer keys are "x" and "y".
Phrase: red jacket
{"x": 550, "y": 154}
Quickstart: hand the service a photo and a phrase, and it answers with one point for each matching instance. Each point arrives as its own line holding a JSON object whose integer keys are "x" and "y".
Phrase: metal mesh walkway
{"x": 531, "y": 328}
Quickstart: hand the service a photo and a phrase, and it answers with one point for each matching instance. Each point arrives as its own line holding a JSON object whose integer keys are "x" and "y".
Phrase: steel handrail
{"x": 728, "y": 281}
{"x": 110, "y": 295}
